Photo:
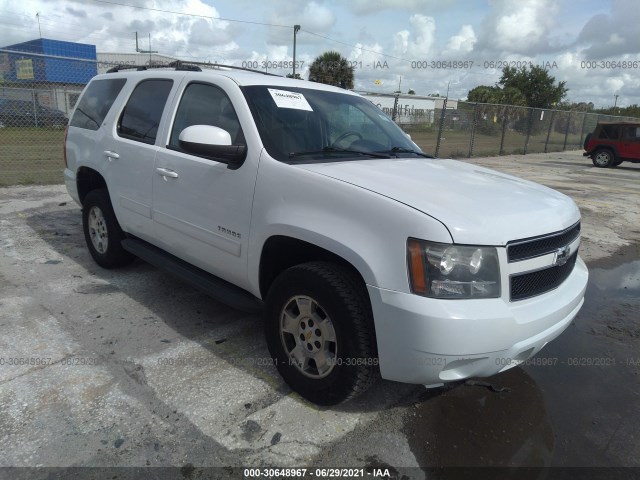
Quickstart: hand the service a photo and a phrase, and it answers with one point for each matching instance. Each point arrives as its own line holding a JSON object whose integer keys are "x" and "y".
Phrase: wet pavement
{"x": 575, "y": 404}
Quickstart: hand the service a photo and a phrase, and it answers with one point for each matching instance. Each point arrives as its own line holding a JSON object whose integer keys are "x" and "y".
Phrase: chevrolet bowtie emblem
{"x": 561, "y": 256}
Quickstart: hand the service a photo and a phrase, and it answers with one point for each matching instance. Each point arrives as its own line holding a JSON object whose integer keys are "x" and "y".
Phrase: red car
{"x": 612, "y": 143}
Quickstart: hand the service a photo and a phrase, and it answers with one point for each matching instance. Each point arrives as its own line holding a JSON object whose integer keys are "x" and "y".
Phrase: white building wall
{"x": 411, "y": 108}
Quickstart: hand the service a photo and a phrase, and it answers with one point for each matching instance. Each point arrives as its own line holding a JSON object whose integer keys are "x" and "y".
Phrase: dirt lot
{"x": 131, "y": 368}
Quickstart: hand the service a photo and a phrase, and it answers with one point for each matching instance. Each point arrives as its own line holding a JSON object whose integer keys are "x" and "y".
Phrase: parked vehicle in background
{"x": 612, "y": 143}
{"x": 367, "y": 256}
{"x": 25, "y": 113}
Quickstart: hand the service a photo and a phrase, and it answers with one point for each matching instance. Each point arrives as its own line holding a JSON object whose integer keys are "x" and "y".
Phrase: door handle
{"x": 166, "y": 172}
{"x": 111, "y": 155}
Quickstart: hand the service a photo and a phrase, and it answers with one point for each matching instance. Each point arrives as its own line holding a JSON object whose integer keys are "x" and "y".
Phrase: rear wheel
{"x": 320, "y": 332}
{"x": 603, "y": 158}
{"x": 102, "y": 231}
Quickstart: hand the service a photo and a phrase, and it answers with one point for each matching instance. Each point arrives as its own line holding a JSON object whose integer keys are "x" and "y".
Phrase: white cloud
{"x": 364, "y": 7}
{"x": 312, "y": 16}
{"x": 419, "y": 43}
{"x": 111, "y": 28}
{"x": 612, "y": 34}
{"x": 462, "y": 42}
{"x": 523, "y": 27}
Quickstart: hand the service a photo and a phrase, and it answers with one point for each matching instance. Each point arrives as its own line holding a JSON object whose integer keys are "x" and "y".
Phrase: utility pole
{"x": 296, "y": 29}
{"x": 38, "y": 17}
{"x": 615, "y": 103}
{"x": 138, "y": 50}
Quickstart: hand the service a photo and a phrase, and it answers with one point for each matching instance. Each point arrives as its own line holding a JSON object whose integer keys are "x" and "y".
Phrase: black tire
{"x": 603, "y": 158}
{"x": 341, "y": 298}
{"x": 102, "y": 231}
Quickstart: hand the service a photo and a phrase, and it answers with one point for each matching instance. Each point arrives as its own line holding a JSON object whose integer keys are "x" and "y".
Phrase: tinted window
{"x": 141, "y": 117}
{"x": 206, "y": 105}
{"x": 96, "y": 103}
{"x": 610, "y": 131}
{"x": 631, "y": 133}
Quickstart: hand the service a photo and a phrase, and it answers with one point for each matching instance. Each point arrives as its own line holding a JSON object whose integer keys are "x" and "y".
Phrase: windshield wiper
{"x": 407, "y": 150}
{"x": 337, "y": 150}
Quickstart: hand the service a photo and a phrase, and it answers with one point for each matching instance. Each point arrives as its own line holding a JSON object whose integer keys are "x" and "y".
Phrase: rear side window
{"x": 631, "y": 133}
{"x": 610, "y": 132}
{"x": 96, "y": 103}
{"x": 141, "y": 116}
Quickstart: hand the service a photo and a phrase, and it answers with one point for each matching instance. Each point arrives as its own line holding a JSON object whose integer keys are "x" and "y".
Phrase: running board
{"x": 213, "y": 286}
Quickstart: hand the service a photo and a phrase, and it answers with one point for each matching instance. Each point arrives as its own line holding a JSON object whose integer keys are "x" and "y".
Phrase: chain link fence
{"x": 38, "y": 92}
{"x": 481, "y": 130}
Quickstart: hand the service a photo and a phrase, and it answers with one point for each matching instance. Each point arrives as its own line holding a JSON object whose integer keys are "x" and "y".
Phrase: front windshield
{"x": 301, "y": 124}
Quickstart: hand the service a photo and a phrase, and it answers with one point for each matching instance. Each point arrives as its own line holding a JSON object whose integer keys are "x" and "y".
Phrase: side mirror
{"x": 213, "y": 143}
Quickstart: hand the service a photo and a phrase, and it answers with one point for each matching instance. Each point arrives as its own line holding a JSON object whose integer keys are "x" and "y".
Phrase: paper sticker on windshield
{"x": 286, "y": 99}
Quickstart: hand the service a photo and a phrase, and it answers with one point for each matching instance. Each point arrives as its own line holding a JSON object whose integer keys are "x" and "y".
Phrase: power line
{"x": 193, "y": 14}
{"x": 356, "y": 46}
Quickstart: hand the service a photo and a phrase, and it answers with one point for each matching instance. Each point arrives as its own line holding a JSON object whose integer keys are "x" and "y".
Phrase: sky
{"x": 429, "y": 46}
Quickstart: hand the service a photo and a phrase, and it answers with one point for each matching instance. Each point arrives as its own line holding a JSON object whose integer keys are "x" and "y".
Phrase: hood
{"x": 479, "y": 206}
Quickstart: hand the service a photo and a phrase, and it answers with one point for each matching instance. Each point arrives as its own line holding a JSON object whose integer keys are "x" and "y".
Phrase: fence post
{"x": 35, "y": 106}
{"x": 566, "y": 132}
{"x": 394, "y": 114}
{"x": 584, "y": 121}
{"x": 546, "y": 142}
{"x": 504, "y": 129}
{"x": 526, "y": 142}
{"x": 444, "y": 110}
{"x": 473, "y": 130}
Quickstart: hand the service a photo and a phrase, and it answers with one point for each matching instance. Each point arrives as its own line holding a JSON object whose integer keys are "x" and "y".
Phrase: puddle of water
{"x": 578, "y": 408}
{"x": 471, "y": 426}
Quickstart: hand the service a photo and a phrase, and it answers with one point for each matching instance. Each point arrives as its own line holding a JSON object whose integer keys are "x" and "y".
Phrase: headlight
{"x": 441, "y": 270}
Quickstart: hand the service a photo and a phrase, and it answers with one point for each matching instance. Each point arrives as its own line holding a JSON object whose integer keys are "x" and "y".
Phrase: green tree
{"x": 333, "y": 69}
{"x": 484, "y": 94}
{"x": 538, "y": 87}
{"x": 411, "y": 91}
{"x": 297, "y": 77}
{"x": 522, "y": 87}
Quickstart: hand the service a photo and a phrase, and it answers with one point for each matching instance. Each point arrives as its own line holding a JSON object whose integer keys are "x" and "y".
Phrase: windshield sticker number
{"x": 285, "y": 99}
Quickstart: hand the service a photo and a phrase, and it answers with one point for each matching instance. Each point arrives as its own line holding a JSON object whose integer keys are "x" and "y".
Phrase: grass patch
{"x": 31, "y": 156}
{"x": 455, "y": 143}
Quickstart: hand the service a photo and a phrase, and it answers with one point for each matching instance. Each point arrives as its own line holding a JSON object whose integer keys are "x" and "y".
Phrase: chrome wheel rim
{"x": 602, "y": 158}
{"x": 308, "y": 337}
{"x": 98, "y": 230}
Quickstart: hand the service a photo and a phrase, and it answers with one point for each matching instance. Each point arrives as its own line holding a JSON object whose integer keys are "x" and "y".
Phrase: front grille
{"x": 525, "y": 285}
{"x": 535, "y": 247}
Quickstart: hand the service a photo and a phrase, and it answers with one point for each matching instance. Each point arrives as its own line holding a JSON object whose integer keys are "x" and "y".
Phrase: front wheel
{"x": 102, "y": 231}
{"x": 603, "y": 158}
{"x": 320, "y": 332}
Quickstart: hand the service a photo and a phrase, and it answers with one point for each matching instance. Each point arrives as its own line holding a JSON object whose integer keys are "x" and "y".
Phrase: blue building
{"x": 50, "y": 61}
{"x": 49, "y": 72}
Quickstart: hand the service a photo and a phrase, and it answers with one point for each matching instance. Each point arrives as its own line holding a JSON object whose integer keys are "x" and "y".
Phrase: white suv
{"x": 367, "y": 256}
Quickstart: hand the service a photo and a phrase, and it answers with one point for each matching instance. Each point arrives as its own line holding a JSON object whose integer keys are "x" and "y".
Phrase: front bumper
{"x": 430, "y": 341}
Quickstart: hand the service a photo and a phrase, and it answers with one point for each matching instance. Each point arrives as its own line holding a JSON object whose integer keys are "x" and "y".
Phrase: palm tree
{"x": 333, "y": 69}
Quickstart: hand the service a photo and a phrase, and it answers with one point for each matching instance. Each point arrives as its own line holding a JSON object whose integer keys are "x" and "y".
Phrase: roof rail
{"x": 190, "y": 67}
{"x": 117, "y": 68}
{"x": 177, "y": 65}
